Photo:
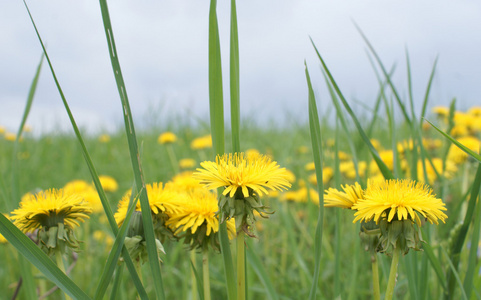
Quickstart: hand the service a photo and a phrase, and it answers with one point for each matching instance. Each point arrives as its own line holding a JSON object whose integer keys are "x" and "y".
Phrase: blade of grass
{"x": 316, "y": 140}
{"x": 216, "y": 106}
{"x": 434, "y": 263}
{"x": 234, "y": 80}
{"x": 473, "y": 252}
{"x": 199, "y": 280}
{"x": 114, "y": 254}
{"x": 459, "y": 242}
{"x": 39, "y": 259}
{"x": 93, "y": 172}
{"x": 428, "y": 90}
{"x": 454, "y": 141}
{"x": 378, "y": 59}
{"x": 25, "y": 269}
{"x": 455, "y": 274}
{"x": 117, "y": 280}
{"x": 256, "y": 264}
{"x": 134, "y": 155}
{"x": 382, "y": 166}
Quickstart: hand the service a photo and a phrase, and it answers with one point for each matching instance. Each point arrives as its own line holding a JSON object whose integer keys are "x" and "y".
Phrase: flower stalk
{"x": 241, "y": 272}
{"x": 392, "y": 274}
{"x": 205, "y": 273}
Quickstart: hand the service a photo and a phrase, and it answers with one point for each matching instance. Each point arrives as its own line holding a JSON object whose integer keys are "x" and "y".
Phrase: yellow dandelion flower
{"x": 167, "y": 138}
{"x": 311, "y": 166}
{"x": 50, "y": 207}
{"x": 161, "y": 200}
{"x": 3, "y": 240}
{"x": 438, "y": 167}
{"x": 109, "y": 184}
{"x": 441, "y": 111}
{"x": 303, "y": 150}
{"x": 184, "y": 181}
{"x": 343, "y": 156}
{"x": 187, "y": 163}
{"x": 252, "y": 153}
{"x": 236, "y": 171}
{"x": 101, "y": 237}
{"x": 86, "y": 191}
{"x": 201, "y": 142}
{"x": 10, "y": 136}
{"x": 346, "y": 199}
{"x": 376, "y": 144}
{"x": 2, "y": 129}
{"x": 459, "y": 130}
{"x": 459, "y": 156}
{"x": 301, "y": 195}
{"x": 347, "y": 169}
{"x": 327, "y": 174}
{"x": 475, "y": 111}
{"x": 290, "y": 176}
{"x": 399, "y": 200}
{"x": 104, "y": 138}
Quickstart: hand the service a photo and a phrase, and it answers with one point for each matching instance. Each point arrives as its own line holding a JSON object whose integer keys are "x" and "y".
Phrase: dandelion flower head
{"x": 346, "y": 199}
{"x": 236, "y": 171}
{"x": 167, "y": 138}
{"x": 50, "y": 207}
{"x": 401, "y": 200}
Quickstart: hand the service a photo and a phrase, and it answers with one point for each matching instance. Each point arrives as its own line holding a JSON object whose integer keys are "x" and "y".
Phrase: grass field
{"x": 302, "y": 251}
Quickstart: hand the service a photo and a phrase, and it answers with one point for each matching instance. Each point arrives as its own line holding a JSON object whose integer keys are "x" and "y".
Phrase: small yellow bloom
{"x": 10, "y": 136}
{"x": 441, "y": 111}
{"x": 187, "y": 163}
{"x": 2, "y": 129}
{"x": 346, "y": 199}
{"x": 3, "y": 240}
{"x": 104, "y": 138}
{"x": 201, "y": 142}
{"x": 475, "y": 111}
{"x": 327, "y": 174}
{"x": 310, "y": 166}
{"x": 167, "y": 138}
{"x": 459, "y": 156}
{"x": 109, "y": 184}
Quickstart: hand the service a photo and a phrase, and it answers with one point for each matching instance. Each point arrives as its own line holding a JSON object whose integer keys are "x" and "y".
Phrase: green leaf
{"x": 134, "y": 155}
{"x": 316, "y": 140}
{"x": 384, "y": 169}
{"x": 39, "y": 259}
{"x": 234, "y": 80}
{"x": 256, "y": 264}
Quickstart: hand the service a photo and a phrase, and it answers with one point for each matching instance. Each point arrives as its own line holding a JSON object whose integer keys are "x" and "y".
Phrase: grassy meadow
{"x": 303, "y": 250}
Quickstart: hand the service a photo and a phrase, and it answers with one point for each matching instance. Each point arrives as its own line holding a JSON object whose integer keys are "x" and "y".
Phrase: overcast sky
{"x": 162, "y": 46}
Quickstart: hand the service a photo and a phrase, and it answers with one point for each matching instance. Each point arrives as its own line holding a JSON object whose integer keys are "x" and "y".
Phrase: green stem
{"x": 375, "y": 278}
{"x": 194, "y": 280}
{"x": 241, "y": 271}
{"x": 61, "y": 266}
{"x": 205, "y": 273}
{"x": 172, "y": 158}
{"x": 392, "y": 274}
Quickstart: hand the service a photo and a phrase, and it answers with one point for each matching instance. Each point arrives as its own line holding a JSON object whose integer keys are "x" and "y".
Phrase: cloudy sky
{"x": 162, "y": 46}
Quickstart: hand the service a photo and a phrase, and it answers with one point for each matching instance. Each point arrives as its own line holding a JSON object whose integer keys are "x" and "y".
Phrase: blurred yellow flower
{"x": 167, "y": 138}
{"x": 3, "y": 240}
{"x": 441, "y": 111}
{"x": 86, "y": 191}
{"x": 201, "y": 142}
{"x": 327, "y": 174}
{"x": 459, "y": 156}
{"x": 347, "y": 169}
{"x": 104, "y": 138}
{"x": 10, "y": 136}
{"x": 431, "y": 172}
{"x": 376, "y": 144}
{"x": 2, "y": 129}
{"x": 109, "y": 184}
{"x": 475, "y": 111}
{"x": 310, "y": 166}
{"x": 101, "y": 237}
{"x": 187, "y": 163}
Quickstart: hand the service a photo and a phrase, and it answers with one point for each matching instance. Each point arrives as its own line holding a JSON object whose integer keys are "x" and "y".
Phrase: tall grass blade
{"x": 256, "y": 264}
{"x": 459, "y": 241}
{"x": 428, "y": 90}
{"x": 199, "y": 280}
{"x": 454, "y": 141}
{"x": 39, "y": 259}
{"x": 473, "y": 253}
{"x": 428, "y": 250}
{"x": 216, "y": 105}
{"x": 316, "y": 140}
{"x": 25, "y": 269}
{"x": 378, "y": 59}
{"x": 134, "y": 155}
{"x": 93, "y": 172}
{"x": 234, "y": 80}
{"x": 115, "y": 252}
{"x": 382, "y": 166}
{"x": 455, "y": 274}
{"x": 117, "y": 280}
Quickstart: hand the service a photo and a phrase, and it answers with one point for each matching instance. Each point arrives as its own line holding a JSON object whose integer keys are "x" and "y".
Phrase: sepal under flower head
{"x": 399, "y": 233}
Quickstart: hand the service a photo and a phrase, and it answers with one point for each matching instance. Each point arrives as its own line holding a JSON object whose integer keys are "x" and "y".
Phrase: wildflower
{"x": 347, "y": 169}
{"x": 441, "y": 111}
{"x": 3, "y": 240}
{"x": 186, "y": 182}
{"x": 399, "y": 200}
{"x": 104, "y": 138}
{"x": 86, "y": 191}
{"x": 235, "y": 171}
{"x": 432, "y": 172}
{"x": 10, "y": 136}
{"x": 311, "y": 166}
{"x": 459, "y": 156}
{"x": 327, "y": 174}
{"x": 167, "y": 138}
{"x": 109, "y": 184}
{"x": 302, "y": 150}
{"x": 187, "y": 163}
{"x": 101, "y": 237}
{"x": 162, "y": 201}
{"x": 346, "y": 199}
{"x": 55, "y": 213}
{"x": 244, "y": 179}
{"x": 201, "y": 142}
{"x": 196, "y": 220}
